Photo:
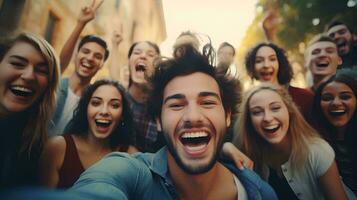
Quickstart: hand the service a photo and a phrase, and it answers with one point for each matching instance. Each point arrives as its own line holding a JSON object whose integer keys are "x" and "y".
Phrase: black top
{"x": 16, "y": 169}
{"x": 281, "y": 186}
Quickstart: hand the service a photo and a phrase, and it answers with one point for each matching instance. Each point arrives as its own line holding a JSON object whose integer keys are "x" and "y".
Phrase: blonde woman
{"x": 29, "y": 74}
{"x": 286, "y": 151}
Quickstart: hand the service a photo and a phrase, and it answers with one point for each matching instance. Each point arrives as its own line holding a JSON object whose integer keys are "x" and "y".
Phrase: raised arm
{"x": 86, "y": 15}
{"x": 114, "y": 69}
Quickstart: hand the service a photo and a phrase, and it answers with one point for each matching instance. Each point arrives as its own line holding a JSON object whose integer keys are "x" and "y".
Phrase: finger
{"x": 93, "y": 4}
{"x": 239, "y": 164}
{"x": 97, "y": 5}
{"x": 121, "y": 28}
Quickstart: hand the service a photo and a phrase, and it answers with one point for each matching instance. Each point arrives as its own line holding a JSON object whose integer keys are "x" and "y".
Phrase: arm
{"x": 114, "y": 69}
{"x": 269, "y": 25}
{"x": 331, "y": 184}
{"x": 86, "y": 15}
{"x": 51, "y": 161}
{"x": 232, "y": 152}
{"x": 116, "y": 176}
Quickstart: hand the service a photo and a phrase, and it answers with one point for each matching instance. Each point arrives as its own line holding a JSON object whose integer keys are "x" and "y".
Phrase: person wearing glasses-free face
{"x": 286, "y": 151}
{"x": 335, "y": 109}
{"x": 29, "y": 75}
{"x": 101, "y": 124}
{"x": 266, "y": 62}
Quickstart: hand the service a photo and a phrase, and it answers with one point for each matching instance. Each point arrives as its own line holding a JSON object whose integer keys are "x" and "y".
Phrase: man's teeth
{"x": 21, "y": 89}
{"x": 194, "y": 135}
{"x": 86, "y": 64}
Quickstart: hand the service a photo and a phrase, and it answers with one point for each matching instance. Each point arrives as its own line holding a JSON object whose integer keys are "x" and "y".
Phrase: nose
{"x": 28, "y": 73}
{"x": 266, "y": 63}
{"x": 104, "y": 111}
{"x": 268, "y": 116}
{"x": 90, "y": 57}
{"x": 143, "y": 55}
{"x": 336, "y": 101}
{"x": 192, "y": 115}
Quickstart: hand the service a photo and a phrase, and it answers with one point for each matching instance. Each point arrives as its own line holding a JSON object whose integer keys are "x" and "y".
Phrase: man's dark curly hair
{"x": 122, "y": 133}
{"x": 190, "y": 62}
{"x": 285, "y": 71}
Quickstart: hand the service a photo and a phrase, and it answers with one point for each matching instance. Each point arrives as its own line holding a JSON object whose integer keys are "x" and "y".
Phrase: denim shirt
{"x": 146, "y": 176}
{"x": 61, "y": 100}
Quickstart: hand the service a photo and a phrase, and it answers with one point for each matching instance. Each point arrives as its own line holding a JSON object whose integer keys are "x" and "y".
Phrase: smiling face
{"x": 23, "y": 77}
{"x": 342, "y": 37}
{"x": 193, "y": 121}
{"x": 141, "y": 63}
{"x": 338, "y": 103}
{"x": 104, "y": 111}
{"x": 269, "y": 116}
{"x": 266, "y": 65}
{"x": 89, "y": 59}
{"x": 324, "y": 58}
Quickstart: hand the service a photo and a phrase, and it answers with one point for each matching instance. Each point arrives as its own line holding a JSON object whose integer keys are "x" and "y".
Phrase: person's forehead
{"x": 192, "y": 84}
{"x": 226, "y": 48}
{"x": 322, "y": 44}
{"x": 336, "y": 28}
{"x": 93, "y": 46}
{"x": 144, "y": 46}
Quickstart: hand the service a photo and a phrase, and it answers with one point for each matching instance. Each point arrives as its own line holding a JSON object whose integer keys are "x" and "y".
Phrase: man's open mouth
{"x": 140, "y": 67}
{"x": 195, "y": 138}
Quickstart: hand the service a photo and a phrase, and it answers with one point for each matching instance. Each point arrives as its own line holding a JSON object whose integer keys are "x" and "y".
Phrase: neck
{"x": 282, "y": 150}
{"x": 207, "y": 185}
{"x": 97, "y": 145}
{"x": 138, "y": 92}
{"x": 77, "y": 84}
{"x": 318, "y": 80}
{"x": 341, "y": 133}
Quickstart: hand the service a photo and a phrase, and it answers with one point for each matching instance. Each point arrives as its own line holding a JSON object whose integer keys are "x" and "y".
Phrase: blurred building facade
{"x": 55, "y": 20}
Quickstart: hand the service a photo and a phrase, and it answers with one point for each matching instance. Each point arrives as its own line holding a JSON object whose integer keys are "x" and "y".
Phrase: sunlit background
{"x": 238, "y": 22}
{"x": 222, "y": 21}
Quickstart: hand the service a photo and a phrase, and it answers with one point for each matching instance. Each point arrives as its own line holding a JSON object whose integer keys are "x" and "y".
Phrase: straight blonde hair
{"x": 35, "y": 131}
{"x": 300, "y": 133}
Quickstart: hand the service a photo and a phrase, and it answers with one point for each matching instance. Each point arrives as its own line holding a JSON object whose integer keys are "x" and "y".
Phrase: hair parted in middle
{"x": 78, "y": 125}
{"x": 189, "y": 62}
{"x": 285, "y": 71}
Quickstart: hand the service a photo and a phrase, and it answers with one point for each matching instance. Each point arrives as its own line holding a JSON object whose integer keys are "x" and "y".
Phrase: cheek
{"x": 42, "y": 82}
{"x": 324, "y": 108}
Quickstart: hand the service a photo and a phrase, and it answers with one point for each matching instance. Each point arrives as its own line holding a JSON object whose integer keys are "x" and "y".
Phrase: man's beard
{"x": 190, "y": 169}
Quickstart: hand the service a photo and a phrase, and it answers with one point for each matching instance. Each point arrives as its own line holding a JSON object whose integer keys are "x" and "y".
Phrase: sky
{"x": 222, "y": 20}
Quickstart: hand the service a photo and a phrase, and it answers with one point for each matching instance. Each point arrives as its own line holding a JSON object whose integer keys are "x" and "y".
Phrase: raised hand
{"x": 117, "y": 37}
{"x": 88, "y": 12}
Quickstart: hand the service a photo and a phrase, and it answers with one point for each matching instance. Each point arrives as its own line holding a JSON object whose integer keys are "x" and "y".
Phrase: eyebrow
{"x": 175, "y": 96}
{"x": 207, "y": 94}
{"x": 23, "y": 59}
{"x": 201, "y": 94}
{"x": 19, "y": 57}
{"x": 113, "y": 99}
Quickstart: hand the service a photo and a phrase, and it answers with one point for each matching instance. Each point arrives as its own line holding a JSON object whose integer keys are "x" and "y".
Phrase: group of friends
{"x": 183, "y": 128}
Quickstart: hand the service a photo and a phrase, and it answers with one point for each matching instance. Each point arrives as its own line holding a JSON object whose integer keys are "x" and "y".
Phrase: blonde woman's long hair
{"x": 35, "y": 132}
{"x": 254, "y": 146}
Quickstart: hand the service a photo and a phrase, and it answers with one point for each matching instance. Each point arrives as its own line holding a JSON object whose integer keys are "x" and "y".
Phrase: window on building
{"x": 50, "y": 27}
